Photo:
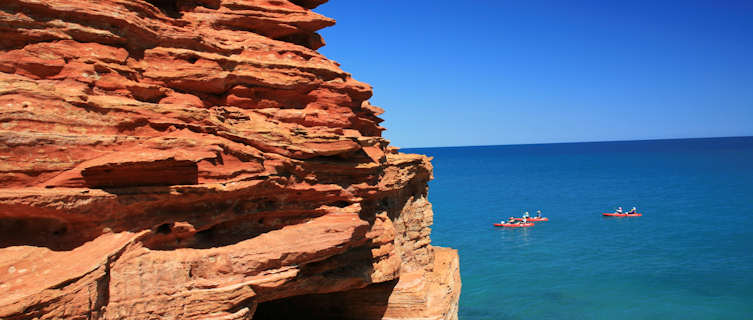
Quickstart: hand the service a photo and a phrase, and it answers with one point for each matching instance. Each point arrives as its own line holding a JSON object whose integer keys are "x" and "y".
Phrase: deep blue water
{"x": 689, "y": 257}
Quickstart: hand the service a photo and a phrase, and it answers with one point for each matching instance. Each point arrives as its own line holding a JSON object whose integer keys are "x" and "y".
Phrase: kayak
{"x": 514, "y": 225}
{"x": 612, "y": 214}
{"x": 534, "y": 219}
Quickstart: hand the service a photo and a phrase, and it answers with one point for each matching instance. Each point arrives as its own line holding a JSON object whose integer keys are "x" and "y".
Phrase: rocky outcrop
{"x": 185, "y": 159}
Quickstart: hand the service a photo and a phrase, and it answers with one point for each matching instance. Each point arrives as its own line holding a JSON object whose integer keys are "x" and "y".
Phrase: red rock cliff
{"x": 183, "y": 159}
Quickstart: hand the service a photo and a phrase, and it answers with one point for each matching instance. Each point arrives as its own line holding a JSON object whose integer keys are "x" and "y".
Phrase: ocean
{"x": 690, "y": 256}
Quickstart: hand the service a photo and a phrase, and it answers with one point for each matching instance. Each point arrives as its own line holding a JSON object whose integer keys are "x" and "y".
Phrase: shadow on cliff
{"x": 365, "y": 303}
{"x": 38, "y": 231}
{"x": 370, "y": 302}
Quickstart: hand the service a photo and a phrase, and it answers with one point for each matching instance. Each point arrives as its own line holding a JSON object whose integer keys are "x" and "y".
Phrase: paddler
{"x": 633, "y": 211}
{"x": 619, "y": 210}
{"x": 538, "y": 213}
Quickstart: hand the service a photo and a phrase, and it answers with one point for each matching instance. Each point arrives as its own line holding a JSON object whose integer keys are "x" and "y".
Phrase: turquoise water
{"x": 689, "y": 257}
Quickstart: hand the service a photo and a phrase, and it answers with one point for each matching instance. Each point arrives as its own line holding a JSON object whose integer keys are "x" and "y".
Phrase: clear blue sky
{"x": 452, "y": 73}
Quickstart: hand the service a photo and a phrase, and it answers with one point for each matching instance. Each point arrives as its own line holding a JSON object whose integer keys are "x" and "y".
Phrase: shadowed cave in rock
{"x": 362, "y": 304}
{"x": 41, "y": 232}
{"x": 168, "y": 7}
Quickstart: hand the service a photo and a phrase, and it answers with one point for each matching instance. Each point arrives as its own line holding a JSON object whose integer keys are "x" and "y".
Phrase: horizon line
{"x": 572, "y": 142}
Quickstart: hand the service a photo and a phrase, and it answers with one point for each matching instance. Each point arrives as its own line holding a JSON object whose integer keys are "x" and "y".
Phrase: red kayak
{"x": 514, "y": 225}
{"x": 613, "y": 214}
{"x": 534, "y": 219}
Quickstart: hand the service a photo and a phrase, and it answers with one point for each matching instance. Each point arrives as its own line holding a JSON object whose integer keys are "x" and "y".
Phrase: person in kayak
{"x": 511, "y": 220}
{"x": 633, "y": 211}
{"x": 619, "y": 210}
{"x": 538, "y": 213}
{"x": 526, "y": 215}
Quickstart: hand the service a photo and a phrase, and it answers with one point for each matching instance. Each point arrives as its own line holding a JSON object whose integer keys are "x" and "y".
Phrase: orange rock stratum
{"x": 199, "y": 159}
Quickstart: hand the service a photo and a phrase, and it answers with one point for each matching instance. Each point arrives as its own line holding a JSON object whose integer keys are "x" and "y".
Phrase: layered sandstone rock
{"x": 185, "y": 159}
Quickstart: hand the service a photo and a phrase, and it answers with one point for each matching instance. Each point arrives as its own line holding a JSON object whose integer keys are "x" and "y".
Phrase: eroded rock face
{"x": 199, "y": 159}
